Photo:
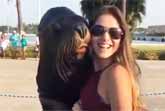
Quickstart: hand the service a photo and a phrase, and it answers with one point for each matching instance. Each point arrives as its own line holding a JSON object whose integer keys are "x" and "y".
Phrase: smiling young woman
{"x": 113, "y": 84}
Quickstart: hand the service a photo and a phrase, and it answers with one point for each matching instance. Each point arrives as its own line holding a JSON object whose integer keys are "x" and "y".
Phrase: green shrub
{"x": 11, "y": 54}
{"x": 139, "y": 54}
{"x": 152, "y": 55}
{"x": 162, "y": 55}
{"x": 29, "y": 52}
{"x": 149, "y": 52}
{"x": 8, "y": 52}
{"x": 144, "y": 52}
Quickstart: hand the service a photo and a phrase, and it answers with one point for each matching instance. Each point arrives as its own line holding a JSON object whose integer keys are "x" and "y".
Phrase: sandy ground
{"x": 18, "y": 90}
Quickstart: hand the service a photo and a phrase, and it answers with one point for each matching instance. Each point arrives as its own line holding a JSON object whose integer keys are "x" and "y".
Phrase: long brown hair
{"x": 124, "y": 54}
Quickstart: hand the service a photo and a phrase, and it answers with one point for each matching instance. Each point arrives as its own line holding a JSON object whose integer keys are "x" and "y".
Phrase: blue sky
{"x": 154, "y": 11}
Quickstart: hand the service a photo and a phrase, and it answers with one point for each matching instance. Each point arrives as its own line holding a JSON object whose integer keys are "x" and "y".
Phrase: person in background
{"x": 37, "y": 47}
{"x": 113, "y": 85}
{"x": 64, "y": 61}
{"x": 23, "y": 45}
{"x": 3, "y": 44}
{"x": 14, "y": 43}
{"x": 1, "y": 49}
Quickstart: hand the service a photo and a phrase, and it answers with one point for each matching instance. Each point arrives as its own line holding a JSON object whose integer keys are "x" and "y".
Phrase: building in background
{"x": 152, "y": 33}
{"x": 156, "y": 30}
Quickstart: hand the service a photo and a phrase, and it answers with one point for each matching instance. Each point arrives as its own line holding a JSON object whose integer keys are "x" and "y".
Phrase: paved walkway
{"x": 18, "y": 90}
{"x": 17, "y": 84}
{"x": 153, "y": 84}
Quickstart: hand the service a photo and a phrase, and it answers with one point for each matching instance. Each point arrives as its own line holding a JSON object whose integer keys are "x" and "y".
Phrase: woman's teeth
{"x": 104, "y": 45}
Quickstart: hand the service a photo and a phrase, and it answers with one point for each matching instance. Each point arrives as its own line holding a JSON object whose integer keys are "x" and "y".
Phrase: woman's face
{"x": 106, "y": 36}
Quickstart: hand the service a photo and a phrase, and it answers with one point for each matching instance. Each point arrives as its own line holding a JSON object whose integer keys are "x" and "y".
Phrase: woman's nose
{"x": 106, "y": 37}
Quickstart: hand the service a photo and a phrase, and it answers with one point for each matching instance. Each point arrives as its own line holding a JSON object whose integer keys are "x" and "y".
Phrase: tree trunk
{"x": 123, "y": 7}
{"x": 18, "y": 6}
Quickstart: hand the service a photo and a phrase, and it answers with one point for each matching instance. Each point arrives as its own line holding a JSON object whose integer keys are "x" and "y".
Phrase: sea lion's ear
{"x": 53, "y": 33}
{"x": 54, "y": 30}
{"x": 56, "y": 27}
{"x": 81, "y": 28}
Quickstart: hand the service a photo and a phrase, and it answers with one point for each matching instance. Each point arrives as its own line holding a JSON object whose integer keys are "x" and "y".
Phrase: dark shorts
{"x": 53, "y": 105}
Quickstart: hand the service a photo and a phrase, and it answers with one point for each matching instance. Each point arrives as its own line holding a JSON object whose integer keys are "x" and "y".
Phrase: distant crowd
{"x": 16, "y": 42}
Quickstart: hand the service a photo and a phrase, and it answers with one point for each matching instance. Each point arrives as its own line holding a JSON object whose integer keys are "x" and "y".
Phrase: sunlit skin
{"x": 104, "y": 47}
{"x": 82, "y": 45}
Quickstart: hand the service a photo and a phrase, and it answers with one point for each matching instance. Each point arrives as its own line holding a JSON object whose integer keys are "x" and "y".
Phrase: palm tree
{"x": 20, "y": 25}
{"x": 89, "y": 8}
{"x": 135, "y": 12}
{"x": 123, "y": 7}
{"x": 18, "y": 5}
{"x": 19, "y": 15}
{"x": 132, "y": 9}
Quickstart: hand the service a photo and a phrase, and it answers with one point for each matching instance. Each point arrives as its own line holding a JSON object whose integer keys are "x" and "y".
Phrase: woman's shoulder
{"x": 116, "y": 68}
{"x": 116, "y": 72}
{"x": 117, "y": 82}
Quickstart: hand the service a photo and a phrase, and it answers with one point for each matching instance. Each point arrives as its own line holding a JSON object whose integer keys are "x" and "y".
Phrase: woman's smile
{"x": 105, "y": 45}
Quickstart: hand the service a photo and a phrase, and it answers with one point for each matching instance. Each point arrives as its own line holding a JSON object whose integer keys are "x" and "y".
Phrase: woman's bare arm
{"x": 119, "y": 89}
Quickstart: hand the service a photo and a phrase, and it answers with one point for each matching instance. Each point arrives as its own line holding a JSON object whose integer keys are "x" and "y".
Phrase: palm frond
{"x": 135, "y": 9}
